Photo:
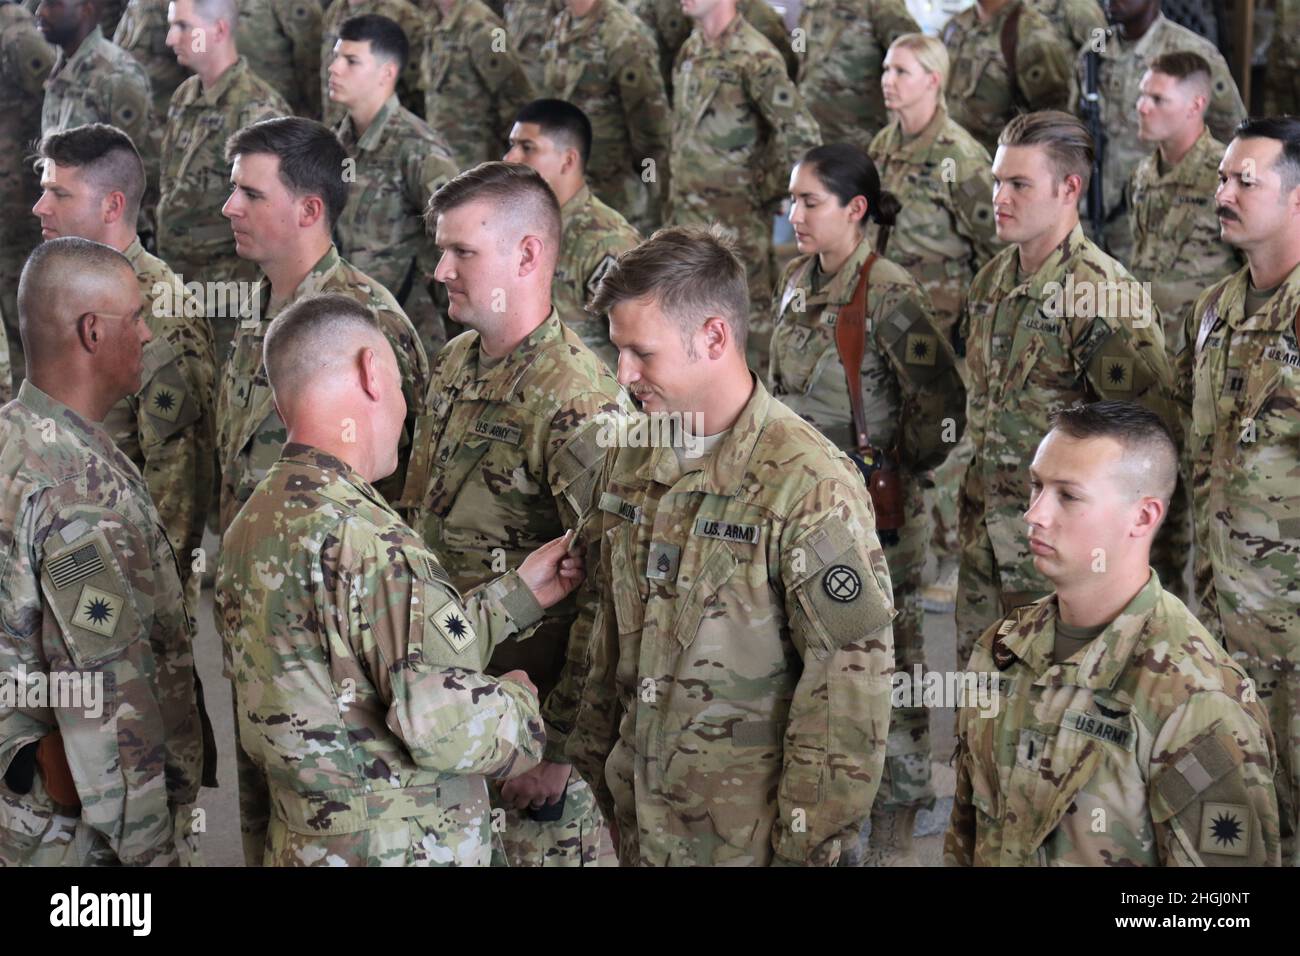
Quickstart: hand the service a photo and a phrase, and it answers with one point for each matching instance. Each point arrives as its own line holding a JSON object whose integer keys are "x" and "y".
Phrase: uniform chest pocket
{"x": 703, "y": 600}
{"x": 802, "y": 348}
{"x": 1206, "y": 388}
{"x": 455, "y": 465}
{"x": 1041, "y": 354}
{"x": 986, "y": 81}
{"x": 377, "y": 226}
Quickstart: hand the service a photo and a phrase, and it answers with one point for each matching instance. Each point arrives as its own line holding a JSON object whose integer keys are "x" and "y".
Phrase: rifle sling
{"x": 851, "y": 344}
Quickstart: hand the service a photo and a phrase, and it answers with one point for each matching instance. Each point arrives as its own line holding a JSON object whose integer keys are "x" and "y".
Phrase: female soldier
{"x": 901, "y": 403}
{"x": 944, "y": 181}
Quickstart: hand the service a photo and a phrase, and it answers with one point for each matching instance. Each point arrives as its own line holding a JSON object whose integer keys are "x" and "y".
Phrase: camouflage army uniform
{"x": 1075, "y": 20}
{"x": 90, "y": 592}
{"x": 142, "y": 32}
{"x": 167, "y": 428}
{"x": 25, "y": 62}
{"x": 1146, "y": 748}
{"x": 473, "y": 83}
{"x": 600, "y": 63}
{"x": 406, "y": 16}
{"x": 194, "y": 238}
{"x": 1080, "y": 328}
{"x": 671, "y": 27}
{"x": 281, "y": 39}
{"x": 528, "y": 22}
{"x": 505, "y": 460}
{"x": 401, "y": 163}
{"x": 250, "y": 433}
{"x": 1244, "y": 442}
{"x": 739, "y": 126}
{"x": 1119, "y": 78}
{"x": 1282, "y": 76}
{"x": 845, "y": 42}
{"x": 593, "y": 237}
{"x": 744, "y": 600}
{"x": 356, "y": 670}
{"x": 981, "y": 94}
{"x": 909, "y": 376}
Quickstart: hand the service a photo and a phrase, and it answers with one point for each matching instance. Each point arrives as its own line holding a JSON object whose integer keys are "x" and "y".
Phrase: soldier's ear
{"x": 113, "y": 207}
{"x": 531, "y": 250}
{"x": 90, "y": 331}
{"x": 311, "y": 211}
{"x": 368, "y": 367}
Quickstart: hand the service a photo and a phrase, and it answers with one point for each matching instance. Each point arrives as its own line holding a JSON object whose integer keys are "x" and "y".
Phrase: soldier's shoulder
{"x": 567, "y": 369}
{"x": 1173, "y": 36}
{"x": 1091, "y": 258}
{"x": 119, "y": 65}
{"x": 1033, "y": 25}
{"x": 889, "y": 272}
{"x": 1023, "y": 619}
{"x": 958, "y": 24}
{"x": 1229, "y": 287}
{"x": 190, "y": 89}
{"x": 792, "y": 270}
{"x": 956, "y": 141}
{"x": 451, "y": 358}
{"x": 39, "y": 452}
{"x": 990, "y": 274}
{"x": 791, "y": 457}
{"x": 758, "y": 51}
{"x": 610, "y": 229}
{"x": 368, "y": 290}
{"x": 251, "y": 90}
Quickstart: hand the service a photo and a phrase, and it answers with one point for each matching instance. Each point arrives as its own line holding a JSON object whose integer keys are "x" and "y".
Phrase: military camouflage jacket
{"x": 528, "y": 22}
{"x": 1146, "y": 748}
{"x": 845, "y": 42}
{"x": 281, "y": 39}
{"x": 142, "y": 32}
{"x": 400, "y": 163}
{"x": 1243, "y": 372}
{"x": 593, "y": 237}
{"x": 89, "y": 594}
{"x": 1080, "y": 328}
{"x": 909, "y": 373}
{"x": 1176, "y": 244}
{"x": 944, "y": 234}
{"x": 473, "y": 83}
{"x": 671, "y": 27}
{"x": 1075, "y": 20}
{"x": 981, "y": 94}
{"x": 738, "y": 700}
{"x": 1282, "y": 76}
{"x": 505, "y": 459}
{"x": 603, "y": 64}
{"x": 405, "y": 15}
{"x": 193, "y": 236}
{"x": 250, "y": 431}
{"x": 356, "y": 667}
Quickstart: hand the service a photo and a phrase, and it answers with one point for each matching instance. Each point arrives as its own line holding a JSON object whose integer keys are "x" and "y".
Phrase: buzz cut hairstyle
{"x": 1284, "y": 129}
{"x": 561, "y": 122}
{"x": 311, "y": 158}
{"x": 214, "y": 10}
{"x": 107, "y": 157}
{"x": 386, "y": 37}
{"x": 308, "y": 336}
{"x": 56, "y": 269}
{"x": 511, "y": 187}
{"x": 1069, "y": 145}
{"x": 1138, "y": 430}
{"x": 689, "y": 272}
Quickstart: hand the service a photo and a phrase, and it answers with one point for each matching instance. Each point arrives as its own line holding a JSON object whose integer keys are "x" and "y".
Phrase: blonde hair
{"x": 931, "y": 54}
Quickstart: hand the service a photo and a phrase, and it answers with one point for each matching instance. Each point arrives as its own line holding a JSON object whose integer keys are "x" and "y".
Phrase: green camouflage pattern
{"x": 142, "y": 32}
{"x": 250, "y": 432}
{"x": 603, "y": 64}
{"x": 529, "y": 22}
{"x": 1282, "y": 74}
{"x": 737, "y": 707}
{"x": 281, "y": 39}
{"x": 671, "y": 27}
{"x": 473, "y": 83}
{"x": 357, "y": 673}
{"x": 1146, "y": 748}
{"x": 405, "y": 15}
{"x": 575, "y": 839}
{"x": 844, "y": 44}
{"x": 1075, "y": 20}
{"x": 981, "y": 95}
{"x": 91, "y": 592}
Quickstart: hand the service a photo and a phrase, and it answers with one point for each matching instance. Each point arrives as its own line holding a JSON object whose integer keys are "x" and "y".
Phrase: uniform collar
{"x": 1278, "y": 314}
{"x": 1188, "y": 169}
{"x": 1053, "y": 269}
{"x": 134, "y": 252}
{"x": 218, "y": 90}
{"x": 370, "y": 139}
{"x": 334, "y": 469}
{"x": 84, "y": 52}
{"x": 1134, "y": 50}
{"x": 921, "y": 144}
{"x": 311, "y": 284}
{"x": 577, "y": 202}
{"x": 726, "y": 38}
{"x": 498, "y": 382}
{"x": 89, "y": 432}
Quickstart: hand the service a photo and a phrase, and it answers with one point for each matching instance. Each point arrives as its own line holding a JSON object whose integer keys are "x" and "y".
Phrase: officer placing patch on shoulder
{"x": 1124, "y": 734}
{"x": 737, "y": 705}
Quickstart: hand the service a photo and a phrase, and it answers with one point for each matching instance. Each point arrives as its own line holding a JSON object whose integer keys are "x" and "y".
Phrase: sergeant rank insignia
{"x": 453, "y": 625}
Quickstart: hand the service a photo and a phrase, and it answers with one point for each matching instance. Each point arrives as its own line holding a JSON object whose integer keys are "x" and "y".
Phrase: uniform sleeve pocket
{"x": 91, "y": 600}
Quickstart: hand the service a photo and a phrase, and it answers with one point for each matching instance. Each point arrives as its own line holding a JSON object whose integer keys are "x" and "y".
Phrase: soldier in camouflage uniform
{"x": 671, "y": 26}
{"x": 281, "y": 39}
{"x": 224, "y": 97}
{"x": 739, "y": 126}
{"x": 94, "y": 180}
{"x": 142, "y": 32}
{"x": 1006, "y": 59}
{"x": 554, "y": 138}
{"x": 909, "y": 378}
{"x": 25, "y": 62}
{"x": 1114, "y": 730}
{"x": 400, "y": 163}
{"x": 529, "y": 22}
{"x": 1241, "y": 364}
{"x": 406, "y": 16}
{"x": 1282, "y": 75}
{"x": 90, "y": 591}
{"x": 844, "y": 44}
{"x": 1051, "y": 319}
{"x": 518, "y": 396}
{"x": 1077, "y": 21}
{"x": 473, "y": 82}
{"x": 1143, "y": 33}
{"x": 357, "y": 664}
{"x": 596, "y": 57}
{"x": 737, "y": 706}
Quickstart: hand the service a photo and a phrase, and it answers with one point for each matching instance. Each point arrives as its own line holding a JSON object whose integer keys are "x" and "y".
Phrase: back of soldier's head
{"x": 312, "y": 160}
{"x": 521, "y": 202}
{"x": 562, "y": 123}
{"x": 106, "y": 158}
{"x": 64, "y": 279}
{"x": 315, "y": 340}
{"x": 1065, "y": 140}
{"x": 1286, "y": 131}
{"x": 386, "y": 38}
{"x": 1189, "y": 69}
{"x": 1148, "y": 466}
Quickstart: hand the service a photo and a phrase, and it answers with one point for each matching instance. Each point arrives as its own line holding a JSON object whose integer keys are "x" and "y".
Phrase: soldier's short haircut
{"x": 690, "y": 272}
{"x": 107, "y": 158}
{"x": 507, "y": 186}
{"x": 59, "y": 278}
{"x": 214, "y": 10}
{"x": 561, "y": 122}
{"x": 1069, "y": 145}
{"x": 311, "y": 158}
{"x": 1150, "y": 454}
{"x": 386, "y": 37}
{"x": 307, "y": 338}
{"x": 1284, "y": 129}
{"x": 1186, "y": 67}
{"x": 931, "y": 53}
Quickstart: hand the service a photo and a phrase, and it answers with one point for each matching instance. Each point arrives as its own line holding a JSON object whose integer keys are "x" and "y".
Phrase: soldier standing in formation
{"x": 408, "y": 19}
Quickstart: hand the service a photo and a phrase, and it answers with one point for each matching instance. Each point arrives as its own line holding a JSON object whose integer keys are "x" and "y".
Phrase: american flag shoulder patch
{"x": 80, "y": 563}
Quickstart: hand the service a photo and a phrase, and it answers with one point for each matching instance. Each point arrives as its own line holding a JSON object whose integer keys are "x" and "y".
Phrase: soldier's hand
{"x": 543, "y": 784}
{"x": 519, "y": 677}
{"x": 552, "y": 572}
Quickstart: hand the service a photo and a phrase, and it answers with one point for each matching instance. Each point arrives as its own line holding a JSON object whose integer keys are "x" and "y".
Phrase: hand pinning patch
{"x": 842, "y": 583}
{"x": 453, "y": 625}
{"x": 1225, "y": 829}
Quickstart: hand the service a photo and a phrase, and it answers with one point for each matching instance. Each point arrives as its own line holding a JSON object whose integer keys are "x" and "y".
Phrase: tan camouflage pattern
{"x": 405, "y": 15}
{"x": 744, "y": 600}
{"x": 357, "y": 672}
{"x": 142, "y": 32}
{"x": 1074, "y": 20}
{"x": 528, "y": 22}
{"x": 1146, "y": 748}
{"x": 282, "y": 39}
{"x": 671, "y": 27}
{"x": 91, "y": 589}
{"x": 1282, "y": 73}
